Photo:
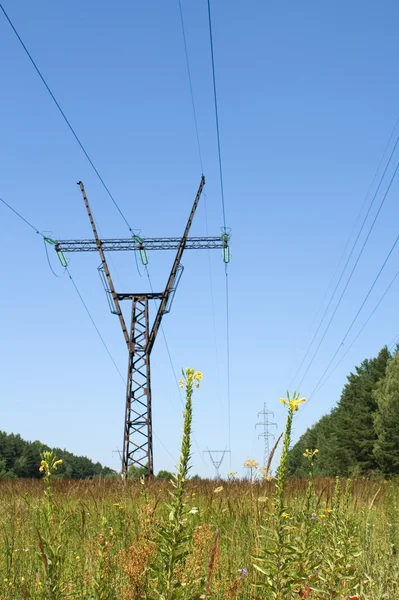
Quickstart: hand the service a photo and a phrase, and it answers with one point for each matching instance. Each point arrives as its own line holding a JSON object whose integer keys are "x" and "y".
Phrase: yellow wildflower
{"x": 285, "y": 515}
{"x": 294, "y": 404}
{"x": 198, "y": 375}
{"x": 218, "y": 490}
{"x": 310, "y": 453}
{"x": 283, "y": 401}
{"x": 251, "y": 463}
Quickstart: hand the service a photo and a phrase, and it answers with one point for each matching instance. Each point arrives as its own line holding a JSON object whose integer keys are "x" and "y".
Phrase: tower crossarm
{"x": 129, "y": 244}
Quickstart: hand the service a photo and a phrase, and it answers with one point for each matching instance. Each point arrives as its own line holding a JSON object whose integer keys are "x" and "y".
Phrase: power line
{"x": 191, "y": 86}
{"x": 20, "y": 216}
{"x": 358, "y": 313}
{"x": 346, "y": 264}
{"x": 354, "y": 267}
{"x": 224, "y": 221}
{"x": 86, "y": 309}
{"x": 94, "y": 323}
{"x": 356, "y": 222}
{"x": 73, "y": 282}
{"x": 222, "y": 191}
{"x": 392, "y": 344}
{"x": 75, "y": 135}
{"x": 317, "y": 389}
{"x": 216, "y": 115}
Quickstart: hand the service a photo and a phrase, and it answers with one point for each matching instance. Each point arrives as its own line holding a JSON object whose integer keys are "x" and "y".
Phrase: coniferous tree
{"x": 19, "y": 458}
{"x": 386, "y": 448}
{"x": 346, "y": 437}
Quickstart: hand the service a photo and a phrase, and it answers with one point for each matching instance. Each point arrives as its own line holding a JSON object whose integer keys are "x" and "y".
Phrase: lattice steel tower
{"x": 266, "y": 434}
{"x": 139, "y": 336}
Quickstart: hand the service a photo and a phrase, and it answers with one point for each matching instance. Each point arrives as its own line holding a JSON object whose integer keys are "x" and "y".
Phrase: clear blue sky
{"x": 308, "y": 96}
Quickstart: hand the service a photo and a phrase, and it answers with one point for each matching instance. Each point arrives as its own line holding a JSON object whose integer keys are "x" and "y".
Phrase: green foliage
{"x": 165, "y": 475}
{"x": 137, "y": 472}
{"x": 347, "y": 436}
{"x": 386, "y": 395}
{"x": 19, "y": 458}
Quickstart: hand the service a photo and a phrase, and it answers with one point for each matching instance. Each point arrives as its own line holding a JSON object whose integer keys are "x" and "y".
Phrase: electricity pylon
{"x": 266, "y": 434}
{"x": 139, "y": 336}
{"x": 217, "y": 462}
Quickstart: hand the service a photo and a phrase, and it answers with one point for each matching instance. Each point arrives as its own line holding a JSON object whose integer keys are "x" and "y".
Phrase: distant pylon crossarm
{"x": 140, "y": 338}
{"x": 217, "y": 462}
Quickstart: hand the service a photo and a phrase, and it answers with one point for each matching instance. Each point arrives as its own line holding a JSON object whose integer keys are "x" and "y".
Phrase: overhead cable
{"x": 216, "y": 116}
{"x": 75, "y": 135}
{"x": 357, "y": 314}
{"x": 317, "y": 389}
{"x": 355, "y": 225}
{"x": 354, "y": 268}
{"x": 346, "y": 265}
{"x": 191, "y": 86}
{"x": 86, "y": 309}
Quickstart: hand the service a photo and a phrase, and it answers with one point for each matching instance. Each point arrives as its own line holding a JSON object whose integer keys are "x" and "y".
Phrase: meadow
{"x": 275, "y": 538}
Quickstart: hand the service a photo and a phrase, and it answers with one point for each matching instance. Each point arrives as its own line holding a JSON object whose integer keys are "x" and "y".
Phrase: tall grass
{"x": 281, "y": 539}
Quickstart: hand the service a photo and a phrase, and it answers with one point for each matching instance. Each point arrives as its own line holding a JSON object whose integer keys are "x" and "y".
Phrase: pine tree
{"x": 356, "y": 409}
{"x": 347, "y": 436}
{"x": 386, "y": 447}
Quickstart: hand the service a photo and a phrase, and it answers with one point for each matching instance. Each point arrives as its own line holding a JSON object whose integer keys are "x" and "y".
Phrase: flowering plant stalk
{"x": 173, "y": 534}
{"x": 276, "y": 557}
{"x": 51, "y": 547}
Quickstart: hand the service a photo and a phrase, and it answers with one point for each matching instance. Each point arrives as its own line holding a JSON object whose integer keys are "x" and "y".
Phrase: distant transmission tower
{"x": 266, "y": 434}
{"x": 217, "y": 462}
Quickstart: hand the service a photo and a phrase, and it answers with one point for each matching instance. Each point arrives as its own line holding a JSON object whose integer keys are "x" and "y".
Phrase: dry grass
{"x": 103, "y": 535}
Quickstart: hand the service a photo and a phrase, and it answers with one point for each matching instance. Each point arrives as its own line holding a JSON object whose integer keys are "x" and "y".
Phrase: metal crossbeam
{"x": 128, "y": 244}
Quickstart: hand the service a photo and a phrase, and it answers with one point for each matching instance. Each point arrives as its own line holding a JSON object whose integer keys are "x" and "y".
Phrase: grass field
{"x": 126, "y": 540}
{"x": 103, "y": 540}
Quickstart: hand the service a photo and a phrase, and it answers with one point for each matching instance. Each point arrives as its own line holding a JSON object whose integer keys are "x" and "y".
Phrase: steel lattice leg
{"x": 137, "y": 443}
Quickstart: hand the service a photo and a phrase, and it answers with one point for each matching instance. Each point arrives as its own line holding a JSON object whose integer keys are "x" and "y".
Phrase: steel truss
{"x": 140, "y": 338}
{"x": 137, "y": 439}
{"x": 129, "y": 244}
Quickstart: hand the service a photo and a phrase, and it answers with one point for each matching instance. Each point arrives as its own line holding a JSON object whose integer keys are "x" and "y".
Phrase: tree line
{"x": 19, "y": 458}
{"x": 360, "y": 436}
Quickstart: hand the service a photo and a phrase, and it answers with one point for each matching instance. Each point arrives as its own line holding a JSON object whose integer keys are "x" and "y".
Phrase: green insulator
{"x": 142, "y": 251}
{"x": 226, "y": 249}
{"x": 62, "y": 259}
{"x": 60, "y": 254}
